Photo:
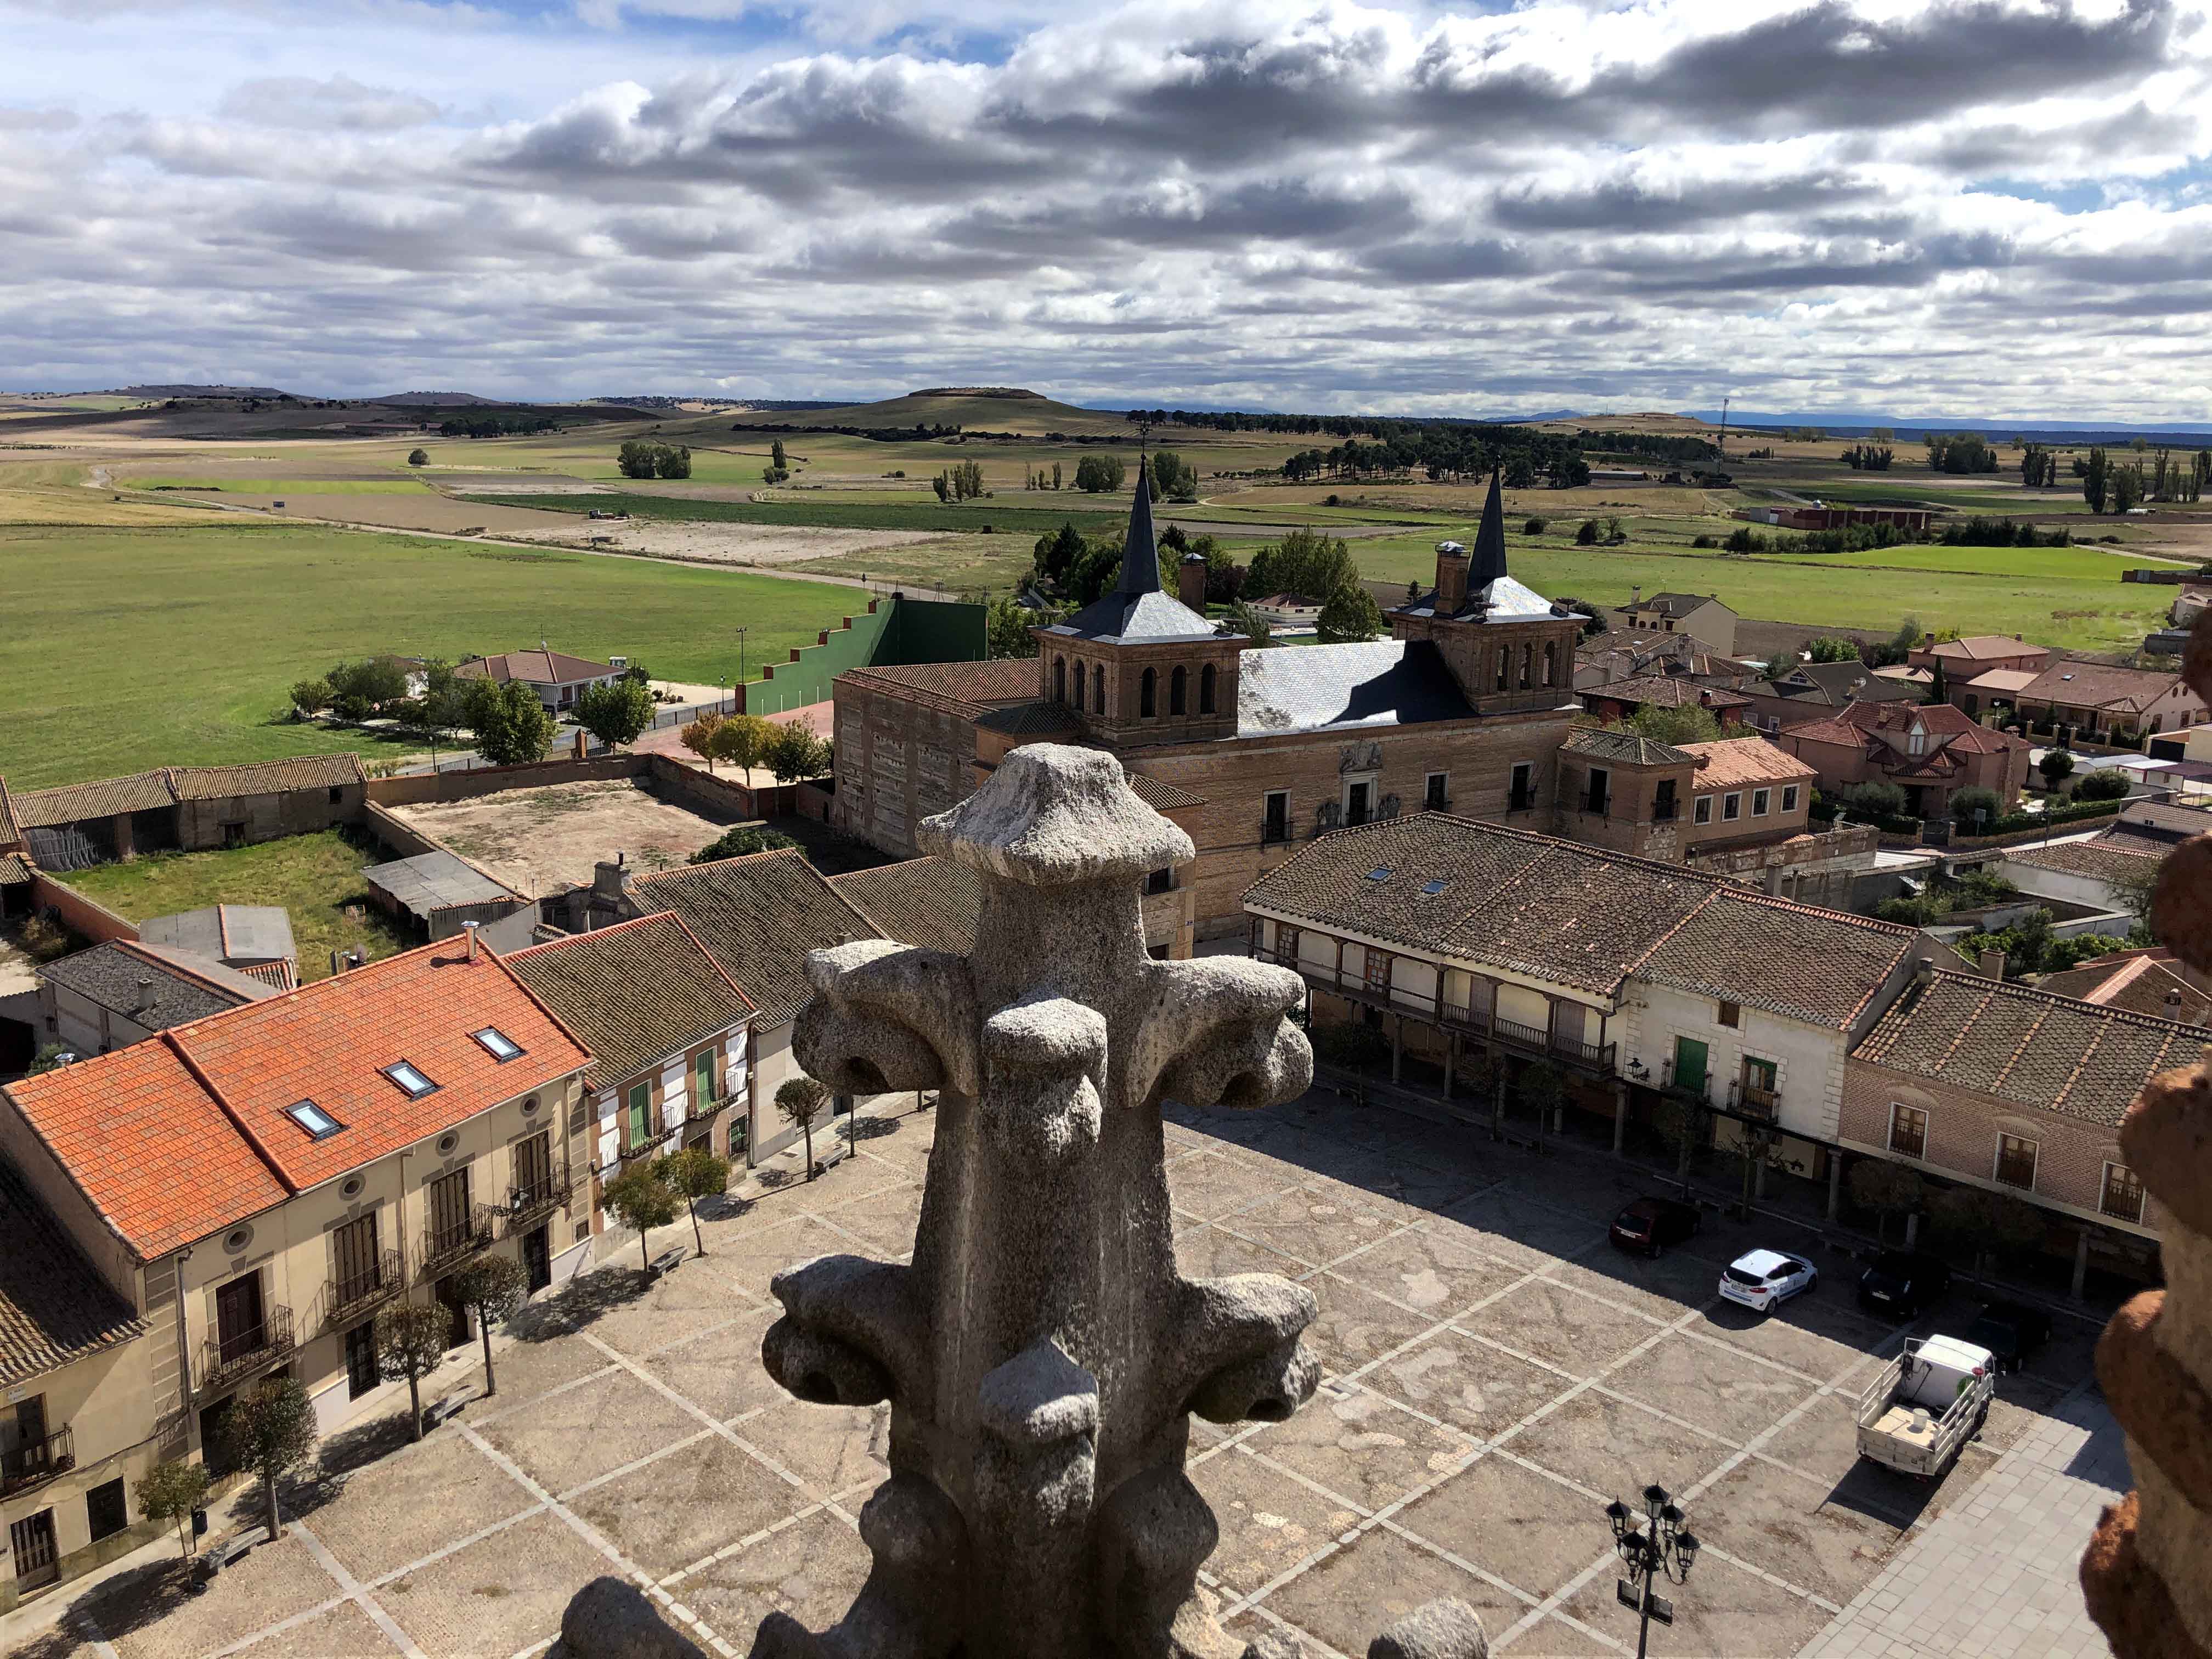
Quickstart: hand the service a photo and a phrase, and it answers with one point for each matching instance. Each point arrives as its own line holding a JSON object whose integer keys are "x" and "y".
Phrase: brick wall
{"x": 899, "y": 760}
{"x": 86, "y": 917}
{"x": 416, "y": 788}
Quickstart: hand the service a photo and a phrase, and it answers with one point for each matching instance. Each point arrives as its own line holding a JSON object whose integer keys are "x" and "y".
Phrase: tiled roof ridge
{"x": 521, "y": 985}
{"x": 2027, "y": 1041}
{"x": 133, "y": 947}
{"x": 2014, "y": 987}
{"x": 1774, "y": 900}
{"x": 740, "y": 858}
{"x": 172, "y": 1037}
{"x": 568, "y": 941}
{"x": 175, "y": 772}
{"x": 1640, "y": 964}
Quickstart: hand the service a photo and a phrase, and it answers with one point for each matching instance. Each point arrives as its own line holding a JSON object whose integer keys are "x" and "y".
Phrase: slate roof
{"x": 1736, "y": 761}
{"x": 1668, "y": 691}
{"x": 54, "y": 1309}
{"x": 436, "y": 880}
{"x": 534, "y": 667}
{"x": 2029, "y": 1047}
{"x": 42, "y": 808}
{"x": 927, "y": 900}
{"x": 1623, "y": 748}
{"x": 210, "y": 1097}
{"x": 266, "y": 777}
{"x": 1316, "y": 687}
{"x": 1137, "y": 611}
{"x": 758, "y": 917}
{"x": 2099, "y": 686}
{"x": 226, "y": 931}
{"x": 636, "y": 994}
{"x": 1580, "y": 917}
{"x": 107, "y": 975}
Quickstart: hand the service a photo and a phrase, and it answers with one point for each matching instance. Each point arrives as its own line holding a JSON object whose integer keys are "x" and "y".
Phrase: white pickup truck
{"x": 1919, "y": 1413}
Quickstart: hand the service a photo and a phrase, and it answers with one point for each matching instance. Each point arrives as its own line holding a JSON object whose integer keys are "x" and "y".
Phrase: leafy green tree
{"x": 491, "y": 1287}
{"x": 1879, "y": 799}
{"x": 1096, "y": 570}
{"x": 310, "y": 696}
{"x": 170, "y": 1490}
{"x": 2127, "y": 482}
{"x": 1533, "y": 527}
{"x": 1172, "y": 480}
{"x": 796, "y": 753}
{"x": 2056, "y": 766}
{"x": 2096, "y": 480}
{"x": 1243, "y": 619}
{"x": 1307, "y": 562}
{"x": 744, "y": 739}
{"x": 1887, "y": 1189}
{"x": 1349, "y": 614}
{"x": 673, "y": 461}
{"x": 639, "y": 1198}
{"x": 1544, "y": 1091}
{"x": 2135, "y": 885}
{"x": 1055, "y": 475}
{"x": 1833, "y": 647}
{"x": 411, "y": 1344}
{"x": 634, "y": 458}
{"x": 1683, "y": 1121}
{"x": 801, "y": 1099}
{"x": 1098, "y": 473}
{"x": 270, "y": 1428}
{"x": 776, "y": 455}
{"x": 418, "y": 458}
{"x": 615, "y": 713}
{"x": 1586, "y": 534}
{"x": 2106, "y": 783}
{"x": 742, "y": 842}
{"x": 1972, "y": 806}
{"x": 700, "y": 736}
{"x": 691, "y": 1175}
{"x": 1056, "y": 552}
{"x": 941, "y": 484}
{"x": 1006, "y": 624}
{"x": 1986, "y": 1223}
{"x": 1687, "y": 723}
{"x": 512, "y": 727}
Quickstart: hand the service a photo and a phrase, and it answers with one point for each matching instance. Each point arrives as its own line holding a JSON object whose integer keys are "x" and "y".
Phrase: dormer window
{"x": 318, "y": 1123}
{"x": 411, "y": 1082}
{"x": 1916, "y": 740}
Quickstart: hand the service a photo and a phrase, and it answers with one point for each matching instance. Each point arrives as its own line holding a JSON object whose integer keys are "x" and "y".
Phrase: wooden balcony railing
{"x": 36, "y": 1461}
{"x": 1353, "y": 983}
{"x": 230, "y": 1357}
{"x": 1755, "y": 1102}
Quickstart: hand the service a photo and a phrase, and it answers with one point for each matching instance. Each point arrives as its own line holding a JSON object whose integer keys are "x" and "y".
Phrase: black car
{"x": 2010, "y": 1330}
{"x": 1650, "y": 1224}
{"x": 1902, "y": 1283}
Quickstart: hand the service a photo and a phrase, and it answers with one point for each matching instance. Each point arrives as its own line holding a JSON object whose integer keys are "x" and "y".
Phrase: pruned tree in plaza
{"x": 1543, "y": 1088}
{"x": 796, "y": 753}
{"x": 1887, "y": 1189}
{"x": 801, "y": 1100}
{"x": 269, "y": 1430}
{"x": 744, "y": 739}
{"x": 170, "y": 1490}
{"x": 1682, "y": 1120}
{"x": 699, "y": 737}
{"x": 639, "y": 1198}
{"x": 615, "y": 713}
{"x": 691, "y": 1175}
{"x": 491, "y": 1287}
{"x": 410, "y": 1342}
{"x": 1986, "y": 1223}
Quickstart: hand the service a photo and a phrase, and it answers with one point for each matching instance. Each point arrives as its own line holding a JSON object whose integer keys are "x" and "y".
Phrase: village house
{"x": 1700, "y": 616}
{"x": 1964, "y": 660}
{"x": 672, "y": 1065}
{"x": 2100, "y": 702}
{"x": 1984, "y": 1083}
{"x": 555, "y": 676}
{"x": 1288, "y": 610}
{"x": 2151, "y": 980}
{"x": 1632, "y": 977}
{"x": 1623, "y": 700}
{"x": 1817, "y": 691}
{"x": 254, "y": 1185}
{"x": 1622, "y": 653}
{"x": 125, "y": 990}
{"x": 187, "y": 808}
{"x": 1930, "y": 751}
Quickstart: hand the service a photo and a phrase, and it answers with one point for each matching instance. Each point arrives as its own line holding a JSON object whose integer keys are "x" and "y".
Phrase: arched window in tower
{"x": 1505, "y": 666}
{"x": 1059, "y": 679}
{"x": 1527, "y": 656}
{"x": 1205, "y": 690}
{"x": 1098, "y": 688}
{"x": 1177, "y": 682}
{"x": 1148, "y": 694}
{"x": 1551, "y": 662}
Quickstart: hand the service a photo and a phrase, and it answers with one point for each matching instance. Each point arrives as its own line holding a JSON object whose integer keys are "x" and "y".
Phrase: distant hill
{"x": 182, "y": 390}
{"x": 1858, "y": 423}
{"x": 435, "y": 399}
{"x": 972, "y": 408}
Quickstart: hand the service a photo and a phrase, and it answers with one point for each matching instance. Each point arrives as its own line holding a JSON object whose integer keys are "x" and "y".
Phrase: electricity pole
{"x": 1725, "y": 396}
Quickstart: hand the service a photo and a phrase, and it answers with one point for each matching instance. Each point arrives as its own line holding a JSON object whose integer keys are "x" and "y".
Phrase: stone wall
{"x": 899, "y": 760}
{"x": 207, "y": 824}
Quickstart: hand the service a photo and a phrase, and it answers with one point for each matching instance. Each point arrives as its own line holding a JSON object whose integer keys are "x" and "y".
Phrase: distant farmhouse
{"x": 555, "y": 676}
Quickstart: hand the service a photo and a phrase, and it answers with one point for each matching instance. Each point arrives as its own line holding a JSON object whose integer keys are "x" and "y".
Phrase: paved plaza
{"x": 1494, "y": 1372}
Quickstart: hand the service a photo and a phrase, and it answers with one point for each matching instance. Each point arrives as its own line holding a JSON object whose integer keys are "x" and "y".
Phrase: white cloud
{"x": 339, "y": 103}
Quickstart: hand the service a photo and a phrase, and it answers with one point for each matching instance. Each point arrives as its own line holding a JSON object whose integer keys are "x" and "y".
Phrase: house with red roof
{"x": 256, "y": 1184}
{"x": 1931, "y": 751}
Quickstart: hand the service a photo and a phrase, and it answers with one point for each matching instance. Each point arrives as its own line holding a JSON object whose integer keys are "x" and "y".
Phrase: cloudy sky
{"x": 1994, "y": 206}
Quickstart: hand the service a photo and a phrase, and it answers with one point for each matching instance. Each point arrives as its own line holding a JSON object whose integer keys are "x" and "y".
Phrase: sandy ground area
{"x": 541, "y": 840}
{"x": 712, "y": 543}
{"x": 425, "y": 511}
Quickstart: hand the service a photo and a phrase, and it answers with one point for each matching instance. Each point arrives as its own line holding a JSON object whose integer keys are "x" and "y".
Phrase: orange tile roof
{"x": 1725, "y": 764}
{"x": 209, "y": 1098}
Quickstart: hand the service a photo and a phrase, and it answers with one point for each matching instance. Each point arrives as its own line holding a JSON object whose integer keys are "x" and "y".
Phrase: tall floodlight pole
{"x": 1724, "y": 410}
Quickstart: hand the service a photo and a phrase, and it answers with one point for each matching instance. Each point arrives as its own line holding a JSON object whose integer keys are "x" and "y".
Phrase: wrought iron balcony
{"x": 345, "y": 1299}
{"x": 1274, "y": 832}
{"x": 525, "y": 1204}
{"x": 445, "y": 1247}
{"x": 230, "y": 1357}
{"x": 36, "y": 1461}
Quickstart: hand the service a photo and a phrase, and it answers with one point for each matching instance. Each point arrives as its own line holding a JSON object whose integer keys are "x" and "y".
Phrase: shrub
{"x": 1701, "y": 541}
{"x": 1880, "y": 799}
{"x": 1533, "y": 527}
{"x": 418, "y": 458}
{"x": 2106, "y": 784}
{"x": 739, "y": 842}
{"x": 1587, "y": 534}
{"x": 1971, "y": 806}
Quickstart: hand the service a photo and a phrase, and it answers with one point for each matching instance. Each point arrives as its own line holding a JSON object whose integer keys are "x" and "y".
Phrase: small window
{"x": 2122, "y": 1195}
{"x": 237, "y": 1239}
{"x": 1705, "y": 809}
{"x": 1731, "y": 808}
{"x": 1731, "y": 1014}
{"x": 351, "y": 1186}
{"x": 1206, "y": 681}
{"x": 105, "y": 1510}
{"x": 446, "y": 1143}
{"x": 337, "y": 795}
{"x": 529, "y": 1107}
{"x": 1760, "y": 799}
{"x": 1434, "y": 800}
{"x": 2015, "y": 1165}
{"x": 1523, "y": 795}
{"x": 501, "y": 1046}
{"x": 1908, "y": 1131}
{"x": 1160, "y": 881}
{"x": 1380, "y": 873}
{"x": 1789, "y": 796}
{"x": 410, "y": 1080}
{"x": 318, "y": 1123}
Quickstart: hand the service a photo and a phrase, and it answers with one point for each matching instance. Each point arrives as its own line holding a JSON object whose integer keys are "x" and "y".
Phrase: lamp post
{"x": 741, "y": 664}
{"x": 1656, "y": 1545}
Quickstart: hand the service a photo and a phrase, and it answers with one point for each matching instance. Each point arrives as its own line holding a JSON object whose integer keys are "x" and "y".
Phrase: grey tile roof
{"x": 1312, "y": 687}
{"x": 758, "y": 917}
{"x": 42, "y": 808}
{"x": 1134, "y": 619}
{"x": 2031, "y": 1047}
{"x": 1035, "y": 718}
{"x": 635, "y": 995}
{"x": 108, "y": 976}
{"x": 254, "y": 932}
{"x": 982, "y": 684}
{"x": 1626, "y": 748}
{"x": 54, "y": 1309}
{"x": 925, "y": 900}
{"x": 435, "y": 881}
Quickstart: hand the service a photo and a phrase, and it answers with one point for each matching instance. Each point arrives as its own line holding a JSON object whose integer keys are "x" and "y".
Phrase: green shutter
{"x": 1689, "y": 1064}
{"x": 641, "y": 1114}
{"x": 705, "y": 1066}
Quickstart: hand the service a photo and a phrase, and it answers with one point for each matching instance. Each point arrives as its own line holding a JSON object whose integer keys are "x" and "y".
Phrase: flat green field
{"x": 1088, "y": 512}
{"x": 317, "y": 878}
{"x": 125, "y": 649}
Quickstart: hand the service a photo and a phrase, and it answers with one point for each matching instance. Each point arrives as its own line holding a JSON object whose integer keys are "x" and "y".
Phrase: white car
{"x": 1761, "y": 1279}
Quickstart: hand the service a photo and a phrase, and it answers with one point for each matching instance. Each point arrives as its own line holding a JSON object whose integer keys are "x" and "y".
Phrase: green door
{"x": 641, "y": 1112}
{"x": 1690, "y": 1065}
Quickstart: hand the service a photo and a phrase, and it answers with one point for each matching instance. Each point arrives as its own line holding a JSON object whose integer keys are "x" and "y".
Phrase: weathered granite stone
{"x": 1449, "y": 1629}
{"x": 1041, "y": 1354}
{"x": 610, "y": 1619}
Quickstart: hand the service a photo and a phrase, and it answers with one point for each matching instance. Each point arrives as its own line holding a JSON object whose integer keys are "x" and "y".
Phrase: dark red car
{"x": 1650, "y": 1225}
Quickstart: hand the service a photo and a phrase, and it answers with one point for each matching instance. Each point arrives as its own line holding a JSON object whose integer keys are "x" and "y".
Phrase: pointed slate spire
{"x": 1140, "y": 553}
{"x": 1488, "y": 563}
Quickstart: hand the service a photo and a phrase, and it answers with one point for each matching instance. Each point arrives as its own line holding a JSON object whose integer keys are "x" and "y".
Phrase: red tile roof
{"x": 1854, "y": 726}
{"x": 533, "y": 667}
{"x": 209, "y": 1098}
{"x": 2099, "y": 686}
{"x": 1986, "y": 647}
{"x": 1725, "y": 764}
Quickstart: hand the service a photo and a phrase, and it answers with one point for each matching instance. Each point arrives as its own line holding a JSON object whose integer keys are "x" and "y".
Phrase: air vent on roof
{"x": 1380, "y": 873}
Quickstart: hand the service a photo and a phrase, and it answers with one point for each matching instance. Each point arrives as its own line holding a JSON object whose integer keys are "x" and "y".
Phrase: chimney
{"x": 609, "y": 882}
{"x": 1923, "y": 971}
{"x": 145, "y": 1002}
{"x": 2173, "y": 1003}
{"x": 1451, "y": 578}
{"x": 337, "y": 965}
{"x": 1635, "y": 597}
{"x": 1191, "y": 583}
{"x": 1993, "y": 965}
{"x": 469, "y": 928}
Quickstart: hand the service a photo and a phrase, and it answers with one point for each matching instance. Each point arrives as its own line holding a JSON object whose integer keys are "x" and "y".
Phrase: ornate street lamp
{"x": 1656, "y": 1545}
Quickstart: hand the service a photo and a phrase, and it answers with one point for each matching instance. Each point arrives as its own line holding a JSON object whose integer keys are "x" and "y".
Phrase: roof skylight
{"x": 405, "y": 1074}
{"x": 1380, "y": 873}
{"x": 501, "y": 1046}
{"x": 1432, "y": 888}
{"x": 318, "y": 1123}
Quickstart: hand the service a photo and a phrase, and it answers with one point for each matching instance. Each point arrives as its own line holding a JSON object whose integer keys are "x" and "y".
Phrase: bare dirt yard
{"x": 541, "y": 840}
{"x": 715, "y": 542}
